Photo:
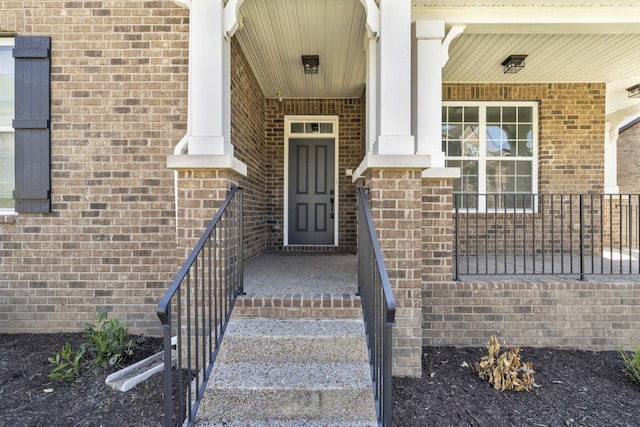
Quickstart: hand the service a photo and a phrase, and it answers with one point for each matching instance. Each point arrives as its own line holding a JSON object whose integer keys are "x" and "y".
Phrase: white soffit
{"x": 524, "y": 3}
{"x": 565, "y": 40}
{"x": 275, "y": 34}
{"x": 551, "y": 57}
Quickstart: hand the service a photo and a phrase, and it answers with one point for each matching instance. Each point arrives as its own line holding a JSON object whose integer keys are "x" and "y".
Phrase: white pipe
{"x": 181, "y": 148}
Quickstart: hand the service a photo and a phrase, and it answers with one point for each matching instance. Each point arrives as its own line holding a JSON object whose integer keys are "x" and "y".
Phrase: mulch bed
{"x": 574, "y": 388}
{"x": 86, "y": 401}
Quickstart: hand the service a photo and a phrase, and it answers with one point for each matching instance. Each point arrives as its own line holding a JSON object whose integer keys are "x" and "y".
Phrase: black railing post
{"x": 241, "y": 244}
{"x": 456, "y": 214}
{"x": 581, "y": 230}
{"x": 166, "y": 334}
{"x": 387, "y": 381}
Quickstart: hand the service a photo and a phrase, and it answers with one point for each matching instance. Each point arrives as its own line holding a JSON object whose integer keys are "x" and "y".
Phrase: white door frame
{"x": 288, "y": 120}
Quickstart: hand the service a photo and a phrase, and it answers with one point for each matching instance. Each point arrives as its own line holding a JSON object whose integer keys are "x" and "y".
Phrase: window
{"x": 495, "y": 145}
{"x": 311, "y": 127}
{"x": 7, "y": 152}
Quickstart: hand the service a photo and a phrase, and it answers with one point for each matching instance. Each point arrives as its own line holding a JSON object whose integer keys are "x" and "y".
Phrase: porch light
{"x": 513, "y": 64}
{"x": 634, "y": 91}
{"x": 311, "y": 63}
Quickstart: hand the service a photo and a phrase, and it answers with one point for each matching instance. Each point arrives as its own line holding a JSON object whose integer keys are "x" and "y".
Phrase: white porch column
{"x": 394, "y": 79}
{"x": 611, "y": 158}
{"x": 371, "y": 87}
{"x": 209, "y": 80}
{"x": 427, "y": 122}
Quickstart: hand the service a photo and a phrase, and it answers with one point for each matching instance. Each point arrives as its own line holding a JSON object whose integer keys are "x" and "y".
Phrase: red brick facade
{"x": 116, "y": 237}
{"x": 629, "y": 160}
{"x": 119, "y": 98}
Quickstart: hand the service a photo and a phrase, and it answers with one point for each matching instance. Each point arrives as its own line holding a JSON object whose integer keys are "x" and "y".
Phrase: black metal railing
{"x": 379, "y": 309}
{"x": 557, "y": 234}
{"x": 195, "y": 310}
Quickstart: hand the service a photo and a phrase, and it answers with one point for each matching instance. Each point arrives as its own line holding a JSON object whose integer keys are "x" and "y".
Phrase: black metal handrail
{"x": 555, "y": 234}
{"x": 195, "y": 310}
{"x": 379, "y": 308}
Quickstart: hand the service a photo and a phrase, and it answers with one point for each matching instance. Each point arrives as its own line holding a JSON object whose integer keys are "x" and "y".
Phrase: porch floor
{"x": 610, "y": 267}
{"x": 300, "y": 285}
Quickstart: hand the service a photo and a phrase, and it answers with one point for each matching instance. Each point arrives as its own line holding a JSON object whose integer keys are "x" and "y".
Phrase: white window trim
{"x": 287, "y": 135}
{"x": 7, "y": 41}
{"x": 482, "y": 147}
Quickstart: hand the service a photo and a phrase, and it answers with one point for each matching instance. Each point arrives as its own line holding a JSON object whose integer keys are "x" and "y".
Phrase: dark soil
{"x": 574, "y": 388}
{"x": 86, "y": 401}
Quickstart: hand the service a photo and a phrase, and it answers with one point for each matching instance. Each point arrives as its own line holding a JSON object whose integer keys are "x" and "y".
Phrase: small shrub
{"x": 632, "y": 364}
{"x": 504, "y": 370}
{"x": 65, "y": 363}
{"x": 108, "y": 340}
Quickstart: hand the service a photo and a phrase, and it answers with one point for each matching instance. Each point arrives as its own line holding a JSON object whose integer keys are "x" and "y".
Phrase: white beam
{"x": 230, "y": 17}
{"x": 611, "y": 158}
{"x": 454, "y": 32}
{"x": 530, "y": 15}
{"x": 186, "y": 4}
{"x": 372, "y": 12}
{"x": 628, "y": 114}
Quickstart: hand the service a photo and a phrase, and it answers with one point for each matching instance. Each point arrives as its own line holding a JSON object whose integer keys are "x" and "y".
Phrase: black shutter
{"x": 32, "y": 124}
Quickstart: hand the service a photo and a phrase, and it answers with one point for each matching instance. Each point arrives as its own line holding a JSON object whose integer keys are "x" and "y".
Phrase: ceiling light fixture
{"x": 634, "y": 91}
{"x": 513, "y": 64}
{"x": 311, "y": 63}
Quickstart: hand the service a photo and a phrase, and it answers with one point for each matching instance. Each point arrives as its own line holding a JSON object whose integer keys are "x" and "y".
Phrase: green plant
{"x": 632, "y": 364}
{"x": 65, "y": 363}
{"x": 108, "y": 340}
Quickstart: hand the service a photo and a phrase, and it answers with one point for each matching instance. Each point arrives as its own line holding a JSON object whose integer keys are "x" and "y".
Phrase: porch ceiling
{"x": 565, "y": 40}
{"x": 275, "y": 34}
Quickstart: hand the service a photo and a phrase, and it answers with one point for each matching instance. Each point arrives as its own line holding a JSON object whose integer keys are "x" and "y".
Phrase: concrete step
{"x": 301, "y": 422}
{"x": 317, "y": 340}
{"x": 288, "y": 390}
{"x": 284, "y": 372}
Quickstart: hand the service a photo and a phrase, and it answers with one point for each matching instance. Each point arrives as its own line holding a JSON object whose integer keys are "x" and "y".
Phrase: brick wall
{"x": 629, "y": 160}
{"x": 119, "y": 86}
{"x": 586, "y": 315}
{"x": 350, "y": 152}
{"x": 247, "y": 136}
{"x": 437, "y": 227}
{"x": 396, "y": 209}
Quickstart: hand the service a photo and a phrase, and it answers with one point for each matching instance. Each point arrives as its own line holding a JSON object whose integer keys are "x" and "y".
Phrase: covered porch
{"x": 384, "y": 69}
